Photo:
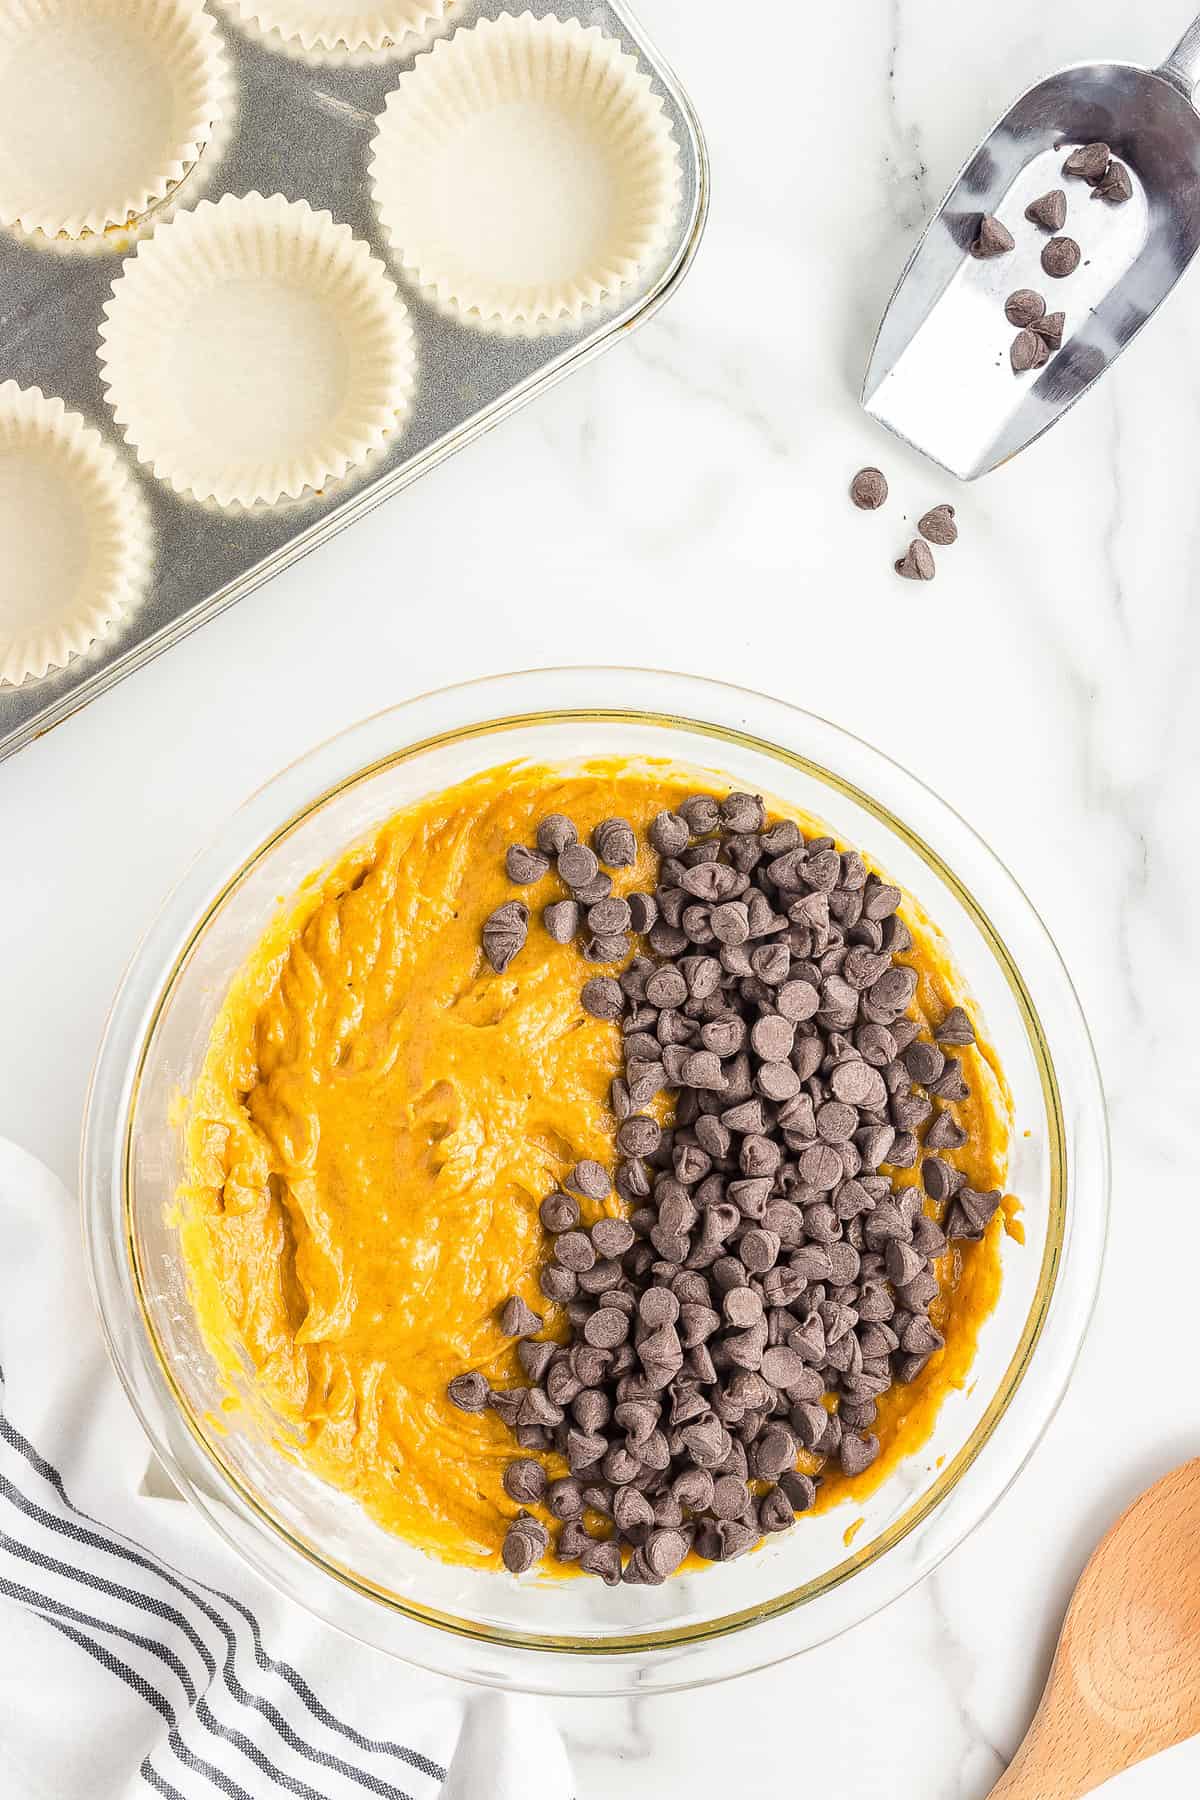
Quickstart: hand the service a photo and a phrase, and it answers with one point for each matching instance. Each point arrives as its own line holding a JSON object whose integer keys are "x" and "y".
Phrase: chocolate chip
{"x": 639, "y": 1135}
{"x": 1029, "y": 351}
{"x": 971, "y": 1212}
{"x": 561, "y": 920}
{"x": 773, "y": 1038}
{"x": 664, "y": 1551}
{"x": 606, "y": 1328}
{"x": 702, "y": 814}
{"x": 937, "y": 526}
{"x": 1114, "y": 185}
{"x": 469, "y": 1392}
{"x": 917, "y": 564}
{"x": 703, "y": 1070}
{"x": 604, "y": 1560}
{"x": 606, "y": 949}
{"x": 535, "y": 1358}
{"x": 742, "y": 813}
{"x": 593, "y": 891}
{"x": 614, "y": 843}
{"x": 669, "y": 833}
{"x": 504, "y": 934}
{"x": 992, "y": 239}
{"x": 578, "y": 865}
{"x": 603, "y": 998}
{"x": 856, "y": 1452}
{"x": 1089, "y": 163}
{"x": 590, "y": 1179}
{"x": 1024, "y": 308}
{"x": 1049, "y": 210}
{"x": 643, "y": 913}
{"x": 525, "y": 1481}
{"x": 518, "y": 1320}
{"x": 559, "y": 1212}
{"x": 556, "y": 834}
{"x": 1050, "y": 329}
{"x": 574, "y": 1251}
{"x": 609, "y": 918}
{"x": 525, "y": 1543}
{"x": 1061, "y": 257}
{"x": 955, "y": 1028}
{"x": 558, "y": 1284}
{"x": 869, "y": 490}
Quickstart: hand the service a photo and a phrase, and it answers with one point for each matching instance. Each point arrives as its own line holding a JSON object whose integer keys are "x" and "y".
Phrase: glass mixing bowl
{"x": 316, "y": 1544}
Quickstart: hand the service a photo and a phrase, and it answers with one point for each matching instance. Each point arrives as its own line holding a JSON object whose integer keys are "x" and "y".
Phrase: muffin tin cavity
{"x": 524, "y": 170}
{"x": 253, "y": 348}
{"x": 75, "y": 531}
{"x": 104, "y": 106}
{"x": 275, "y": 364}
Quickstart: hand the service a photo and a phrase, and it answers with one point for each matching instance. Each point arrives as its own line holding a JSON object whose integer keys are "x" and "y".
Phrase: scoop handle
{"x": 1183, "y": 65}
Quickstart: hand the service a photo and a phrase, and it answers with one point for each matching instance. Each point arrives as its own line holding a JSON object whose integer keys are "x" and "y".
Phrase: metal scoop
{"x": 940, "y": 375}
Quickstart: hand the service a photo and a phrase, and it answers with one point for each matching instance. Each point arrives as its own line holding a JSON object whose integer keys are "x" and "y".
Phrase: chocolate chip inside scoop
{"x": 734, "y": 1315}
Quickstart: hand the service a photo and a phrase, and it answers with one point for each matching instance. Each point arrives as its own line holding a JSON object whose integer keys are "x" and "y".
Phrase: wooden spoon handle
{"x": 1054, "y": 1763}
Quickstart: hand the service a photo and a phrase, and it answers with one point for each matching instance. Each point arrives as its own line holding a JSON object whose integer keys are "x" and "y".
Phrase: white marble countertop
{"x": 699, "y": 472}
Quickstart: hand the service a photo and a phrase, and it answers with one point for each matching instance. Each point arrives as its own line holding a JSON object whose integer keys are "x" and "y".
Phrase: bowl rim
{"x": 336, "y": 766}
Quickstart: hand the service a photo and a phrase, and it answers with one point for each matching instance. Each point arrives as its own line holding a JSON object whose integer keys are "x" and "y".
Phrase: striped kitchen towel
{"x": 137, "y": 1655}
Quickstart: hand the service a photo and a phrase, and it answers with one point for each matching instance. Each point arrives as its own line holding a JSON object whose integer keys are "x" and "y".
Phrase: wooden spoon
{"x": 1126, "y": 1677}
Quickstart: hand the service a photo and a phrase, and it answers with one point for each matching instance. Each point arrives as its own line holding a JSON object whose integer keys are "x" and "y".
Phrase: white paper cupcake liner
{"x": 253, "y": 348}
{"x": 321, "y": 25}
{"x": 75, "y": 530}
{"x": 524, "y": 170}
{"x": 104, "y": 106}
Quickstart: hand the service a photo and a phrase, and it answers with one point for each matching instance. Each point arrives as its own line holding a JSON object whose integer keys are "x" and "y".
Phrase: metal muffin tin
{"x": 302, "y": 127}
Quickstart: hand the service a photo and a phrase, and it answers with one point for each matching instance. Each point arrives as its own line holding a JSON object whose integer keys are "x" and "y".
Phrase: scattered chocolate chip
{"x": 993, "y": 238}
{"x": 1061, "y": 257}
{"x": 1029, "y": 351}
{"x": 615, "y": 844}
{"x": 469, "y": 1392}
{"x": 1024, "y": 307}
{"x": 518, "y": 1320}
{"x": 917, "y": 564}
{"x": 1114, "y": 185}
{"x": 1050, "y": 211}
{"x": 937, "y": 526}
{"x": 1089, "y": 163}
{"x": 869, "y": 489}
{"x": 504, "y": 934}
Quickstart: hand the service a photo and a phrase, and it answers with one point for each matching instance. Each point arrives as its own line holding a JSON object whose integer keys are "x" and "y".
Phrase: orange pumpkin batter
{"x": 379, "y": 1116}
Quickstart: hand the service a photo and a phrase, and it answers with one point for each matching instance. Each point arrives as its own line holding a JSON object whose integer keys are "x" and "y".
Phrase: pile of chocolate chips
{"x": 770, "y": 1281}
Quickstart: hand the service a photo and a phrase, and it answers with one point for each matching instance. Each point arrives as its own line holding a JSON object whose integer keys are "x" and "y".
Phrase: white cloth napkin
{"x": 137, "y": 1656}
